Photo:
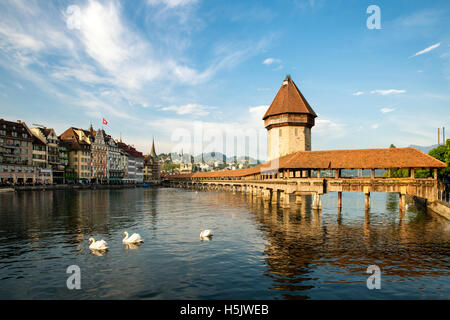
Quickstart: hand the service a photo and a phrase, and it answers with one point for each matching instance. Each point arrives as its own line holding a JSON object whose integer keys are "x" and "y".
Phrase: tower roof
{"x": 153, "y": 152}
{"x": 289, "y": 100}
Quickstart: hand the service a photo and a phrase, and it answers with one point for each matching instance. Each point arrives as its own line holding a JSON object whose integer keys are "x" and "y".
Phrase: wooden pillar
{"x": 339, "y": 199}
{"x": 337, "y": 173}
{"x": 266, "y": 195}
{"x": 286, "y": 198}
{"x": 317, "y": 202}
{"x": 367, "y": 200}
{"x": 401, "y": 201}
{"x": 318, "y": 173}
{"x": 372, "y": 173}
{"x": 412, "y": 173}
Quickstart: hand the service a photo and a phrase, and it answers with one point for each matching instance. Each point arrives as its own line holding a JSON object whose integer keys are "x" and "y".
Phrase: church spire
{"x": 153, "y": 152}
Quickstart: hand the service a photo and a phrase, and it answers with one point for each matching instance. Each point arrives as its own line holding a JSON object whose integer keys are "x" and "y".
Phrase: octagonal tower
{"x": 288, "y": 121}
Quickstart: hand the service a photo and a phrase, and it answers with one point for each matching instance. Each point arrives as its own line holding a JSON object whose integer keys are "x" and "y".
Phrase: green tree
{"x": 396, "y": 173}
{"x": 442, "y": 153}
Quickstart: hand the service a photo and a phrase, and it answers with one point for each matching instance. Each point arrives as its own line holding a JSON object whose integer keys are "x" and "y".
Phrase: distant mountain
{"x": 210, "y": 158}
{"x": 422, "y": 148}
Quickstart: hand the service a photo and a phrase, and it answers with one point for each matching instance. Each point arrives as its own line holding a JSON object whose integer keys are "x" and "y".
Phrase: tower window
{"x": 296, "y": 131}
{"x": 281, "y": 132}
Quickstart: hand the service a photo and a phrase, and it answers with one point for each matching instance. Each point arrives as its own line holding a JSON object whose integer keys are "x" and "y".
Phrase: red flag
{"x": 104, "y": 121}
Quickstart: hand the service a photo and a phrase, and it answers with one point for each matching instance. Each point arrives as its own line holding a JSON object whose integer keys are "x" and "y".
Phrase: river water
{"x": 257, "y": 252}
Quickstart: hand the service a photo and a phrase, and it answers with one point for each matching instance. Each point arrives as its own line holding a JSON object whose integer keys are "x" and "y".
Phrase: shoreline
{"x": 74, "y": 187}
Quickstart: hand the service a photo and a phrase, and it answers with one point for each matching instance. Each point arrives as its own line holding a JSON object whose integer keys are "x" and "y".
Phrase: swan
{"x": 135, "y": 238}
{"x": 205, "y": 234}
{"x": 97, "y": 245}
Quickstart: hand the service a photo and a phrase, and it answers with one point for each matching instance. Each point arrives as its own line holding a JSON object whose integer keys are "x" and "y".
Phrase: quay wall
{"x": 441, "y": 208}
{"x": 72, "y": 187}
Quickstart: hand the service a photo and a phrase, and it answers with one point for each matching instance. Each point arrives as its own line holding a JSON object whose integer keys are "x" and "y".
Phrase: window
{"x": 296, "y": 132}
{"x": 280, "y": 132}
{"x": 14, "y": 134}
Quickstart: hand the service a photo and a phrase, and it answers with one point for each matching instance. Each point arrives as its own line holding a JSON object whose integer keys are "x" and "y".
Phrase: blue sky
{"x": 164, "y": 68}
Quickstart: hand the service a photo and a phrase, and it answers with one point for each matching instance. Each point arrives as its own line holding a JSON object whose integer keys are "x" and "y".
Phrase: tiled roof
{"x": 289, "y": 99}
{"x": 129, "y": 149}
{"x": 71, "y": 137}
{"x": 392, "y": 158}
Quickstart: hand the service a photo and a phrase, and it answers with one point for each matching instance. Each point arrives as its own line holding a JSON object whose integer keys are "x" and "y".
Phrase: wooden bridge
{"x": 319, "y": 172}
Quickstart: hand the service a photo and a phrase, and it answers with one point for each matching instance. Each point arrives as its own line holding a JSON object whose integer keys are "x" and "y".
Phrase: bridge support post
{"x": 286, "y": 198}
{"x": 367, "y": 200}
{"x": 401, "y": 202}
{"x": 317, "y": 202}
{"x": 274, "y": 196}
{"x": 339, "y": 199}
{"x": 266, "y": 195}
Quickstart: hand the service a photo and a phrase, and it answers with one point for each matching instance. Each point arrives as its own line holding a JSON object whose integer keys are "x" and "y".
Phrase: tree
{"x": 442, "y": 153}
{"x": 396, "y": 173}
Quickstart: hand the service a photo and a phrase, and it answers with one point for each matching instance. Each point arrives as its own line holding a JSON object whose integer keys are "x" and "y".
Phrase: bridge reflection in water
{"x": 304, "y": 243}
{"x": 260, "y": 251}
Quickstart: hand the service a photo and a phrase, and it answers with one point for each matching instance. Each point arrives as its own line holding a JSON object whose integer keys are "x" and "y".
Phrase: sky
{"x": 198, "y": 75}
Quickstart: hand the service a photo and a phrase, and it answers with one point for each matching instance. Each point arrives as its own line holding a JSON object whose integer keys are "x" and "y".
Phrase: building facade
{"x": 16, "y": 153}
{"x": 99, "y": 157}
{"x": 288, "y": 121}
{"x": 135, "y": 164}
{"x": 115, "y": 171}
{"x": 78, "y": 143}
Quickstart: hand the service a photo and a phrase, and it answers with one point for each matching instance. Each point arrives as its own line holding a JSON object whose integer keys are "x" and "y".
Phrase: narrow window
{"x": 280, "y": 132}
{"x": 296, "y": 132}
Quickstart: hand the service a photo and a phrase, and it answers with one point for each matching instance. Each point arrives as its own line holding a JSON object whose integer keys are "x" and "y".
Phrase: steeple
{"x": 153, "y": 152}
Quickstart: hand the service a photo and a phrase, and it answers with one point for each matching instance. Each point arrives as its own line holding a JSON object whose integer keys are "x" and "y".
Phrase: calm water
{"x": 256, "y": 253}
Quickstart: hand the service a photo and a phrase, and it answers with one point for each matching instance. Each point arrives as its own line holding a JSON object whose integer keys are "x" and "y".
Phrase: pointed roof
{"x": 289, "y": 100}
{"x": 153, "y": 152}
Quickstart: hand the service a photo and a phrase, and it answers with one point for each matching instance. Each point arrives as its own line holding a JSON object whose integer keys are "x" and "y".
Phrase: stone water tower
{"x": 288, "y": 121}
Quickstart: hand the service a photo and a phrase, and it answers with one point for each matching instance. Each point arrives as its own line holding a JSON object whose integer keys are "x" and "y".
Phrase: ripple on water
{"x": 256, "y": 252}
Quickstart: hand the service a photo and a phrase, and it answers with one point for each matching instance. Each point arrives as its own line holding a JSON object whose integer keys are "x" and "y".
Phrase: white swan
{"x": 135, "y": 238}
{"x": 97, "y": 245}
{"x": 205, "y": 234}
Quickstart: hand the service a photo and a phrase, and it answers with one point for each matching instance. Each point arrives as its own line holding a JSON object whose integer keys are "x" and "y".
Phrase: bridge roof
{"x": 392, "y": 158}
{"x": 289, "y": 99}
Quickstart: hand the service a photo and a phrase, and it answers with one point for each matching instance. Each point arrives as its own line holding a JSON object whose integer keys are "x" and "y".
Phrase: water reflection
{"x": 260, "y": 250}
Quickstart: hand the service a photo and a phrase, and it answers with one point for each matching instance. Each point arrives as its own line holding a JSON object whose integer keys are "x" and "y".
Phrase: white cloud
{"x": 358, "y": 93}
{"x": 189, "y": 109}
{"x": 434, "y": 46}
{"x": 387, "y": 92}
{"x": 270, "y": 61}
{"x": 386, "y": 110}
{"x": 171, "y": 3}
{"x": 375, "y": 126}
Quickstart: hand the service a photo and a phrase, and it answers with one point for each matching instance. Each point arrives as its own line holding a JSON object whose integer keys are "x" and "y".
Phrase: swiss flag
{"x": 104, "y": 121}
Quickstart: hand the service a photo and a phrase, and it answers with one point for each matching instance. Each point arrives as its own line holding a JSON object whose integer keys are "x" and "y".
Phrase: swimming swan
{"x": 97, "y": 245}
{"x": 135, "y": 238}
{"x": 205, "y": 234}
